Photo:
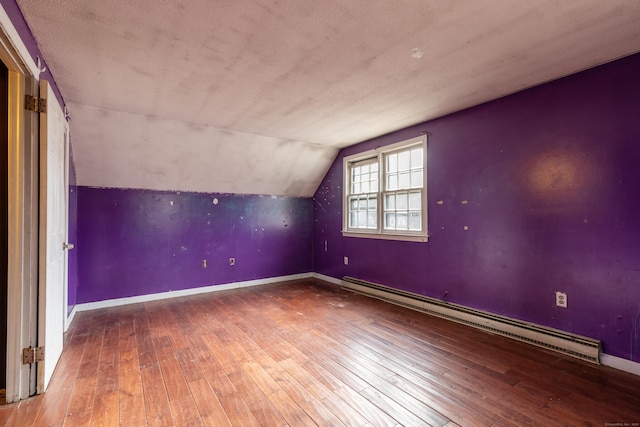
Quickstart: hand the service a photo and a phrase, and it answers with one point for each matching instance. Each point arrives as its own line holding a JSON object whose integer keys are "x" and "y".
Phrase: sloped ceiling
{"x": 258, "y": 96}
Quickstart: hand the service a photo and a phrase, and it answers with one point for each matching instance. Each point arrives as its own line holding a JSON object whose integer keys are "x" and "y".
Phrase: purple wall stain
{"x": 138, "y": 242}
{"x": 551, "y": 180}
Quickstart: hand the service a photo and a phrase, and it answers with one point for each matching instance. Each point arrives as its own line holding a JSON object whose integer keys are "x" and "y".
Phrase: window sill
{"x": 387, "y": 236}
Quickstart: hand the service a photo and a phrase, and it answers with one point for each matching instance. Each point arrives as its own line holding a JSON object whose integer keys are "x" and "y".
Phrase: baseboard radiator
{"x": 584, "y": 348}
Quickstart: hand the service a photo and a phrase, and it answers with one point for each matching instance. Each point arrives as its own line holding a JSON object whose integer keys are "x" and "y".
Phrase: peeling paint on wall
{"x": 138, "y": 242}
{"x": 528, "y": 194}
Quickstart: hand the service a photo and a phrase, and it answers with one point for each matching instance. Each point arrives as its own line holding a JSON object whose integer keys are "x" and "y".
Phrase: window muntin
{"x": 385, "y": 193}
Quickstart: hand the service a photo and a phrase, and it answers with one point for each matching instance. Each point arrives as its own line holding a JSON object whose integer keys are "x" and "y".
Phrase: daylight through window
{"x": 385, "y": 193}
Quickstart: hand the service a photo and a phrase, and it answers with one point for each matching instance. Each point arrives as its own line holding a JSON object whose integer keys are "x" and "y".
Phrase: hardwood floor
{"x": 306, "y": 353}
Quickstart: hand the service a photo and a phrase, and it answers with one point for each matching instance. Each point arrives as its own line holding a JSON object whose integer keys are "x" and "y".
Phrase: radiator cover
{"x": 583, "y": 348}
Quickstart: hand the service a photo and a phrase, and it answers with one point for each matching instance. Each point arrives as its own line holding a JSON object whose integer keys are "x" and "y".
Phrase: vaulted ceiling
{"x": 258, "y": 96}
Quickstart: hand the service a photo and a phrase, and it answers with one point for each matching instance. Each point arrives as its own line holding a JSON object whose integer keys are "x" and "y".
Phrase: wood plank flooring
{"x": 306, "y": 353}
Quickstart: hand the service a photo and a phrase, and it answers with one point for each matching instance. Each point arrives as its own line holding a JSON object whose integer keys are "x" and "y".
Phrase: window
{"x": 385, "y": 192}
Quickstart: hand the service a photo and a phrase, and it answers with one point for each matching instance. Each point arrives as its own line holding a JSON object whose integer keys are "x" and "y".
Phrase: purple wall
{"x": 138, "y": 242}
{"x": 552, "y": 180}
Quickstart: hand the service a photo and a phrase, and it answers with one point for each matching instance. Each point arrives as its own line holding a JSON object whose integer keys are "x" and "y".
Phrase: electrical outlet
{"x": 232, "y": 261}
{"x": 561, "y": 299}
{"x": 346, "y": 260}
{"x": 204, "y": 263}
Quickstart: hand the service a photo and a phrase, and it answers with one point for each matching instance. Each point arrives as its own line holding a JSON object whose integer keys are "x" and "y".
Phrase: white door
{"x": 53, "y": 234}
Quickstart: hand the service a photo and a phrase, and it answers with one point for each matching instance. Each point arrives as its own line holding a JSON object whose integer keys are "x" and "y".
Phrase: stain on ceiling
{"x": 258, "y": 96}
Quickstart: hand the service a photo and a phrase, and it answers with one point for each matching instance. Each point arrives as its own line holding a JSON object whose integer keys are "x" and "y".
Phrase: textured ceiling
{"x": 257, "y": 96}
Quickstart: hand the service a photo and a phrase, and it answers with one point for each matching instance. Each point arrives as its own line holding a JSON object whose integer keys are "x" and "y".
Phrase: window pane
{"x": 365, "y": 187}
{"x": 356, "y": 188}
{"x": 392, "y": 182}
{"x": 404, "y": 180}
{"x": 373, "y": 202}
{"x": 392, "y": 163}
{"x": 390, "y": 221}
{"x": 404, "y": 160}
{"x": 374, "y": 186}
{"x": 364, "y": 169}
{"x": 362, "y": 219}
{"x": 401, "y": 221}
{"x": 353, "y": 219}
{"x": 401, "y": 201}
{"x": 415, "y": 201}
{"x": 415, "y": 221}
{"x": 374, "y": 167}
{"x": 363, "y": 204}
{"x": 390, "y": 202}
{"x": 416, "y": 158}
{"x": 416, "y": 179}
{"x": 372, "y": 220}
{"x": 353, "y": 203}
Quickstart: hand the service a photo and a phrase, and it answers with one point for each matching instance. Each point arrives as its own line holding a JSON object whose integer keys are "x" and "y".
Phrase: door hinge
{"x": 32, "y": 355}
{"x": 33, "y": 103}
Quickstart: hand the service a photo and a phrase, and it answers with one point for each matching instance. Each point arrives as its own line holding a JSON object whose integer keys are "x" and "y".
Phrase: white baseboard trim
{"x": 326, "y": 278}
{"x": 581, "y": 347}
{"x": 620, "y": 363}
{"x": 605, "y": 359}
{"x": 69, "y": 319}
{"x": 186, "y": 292}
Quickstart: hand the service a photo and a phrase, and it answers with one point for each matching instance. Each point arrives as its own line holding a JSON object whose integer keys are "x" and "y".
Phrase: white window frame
{"x": 378, "y": 155}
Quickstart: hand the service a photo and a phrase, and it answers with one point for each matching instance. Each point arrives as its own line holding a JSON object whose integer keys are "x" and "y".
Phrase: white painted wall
{"x": 273, "y": 80}
{"x": 126, "y": 150}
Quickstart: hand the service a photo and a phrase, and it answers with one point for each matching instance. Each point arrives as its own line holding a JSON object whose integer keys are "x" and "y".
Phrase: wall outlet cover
{"x": 561, "y": 299}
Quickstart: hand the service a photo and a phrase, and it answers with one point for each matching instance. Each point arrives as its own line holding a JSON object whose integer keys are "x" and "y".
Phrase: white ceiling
{"x": 257, "y": 96}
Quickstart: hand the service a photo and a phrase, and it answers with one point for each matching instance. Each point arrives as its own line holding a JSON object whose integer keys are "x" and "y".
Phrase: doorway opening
{"x": 4, "y": 220}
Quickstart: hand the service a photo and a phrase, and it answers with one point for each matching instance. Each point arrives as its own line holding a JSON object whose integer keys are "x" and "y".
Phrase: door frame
{"x": 23, "y": 193}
